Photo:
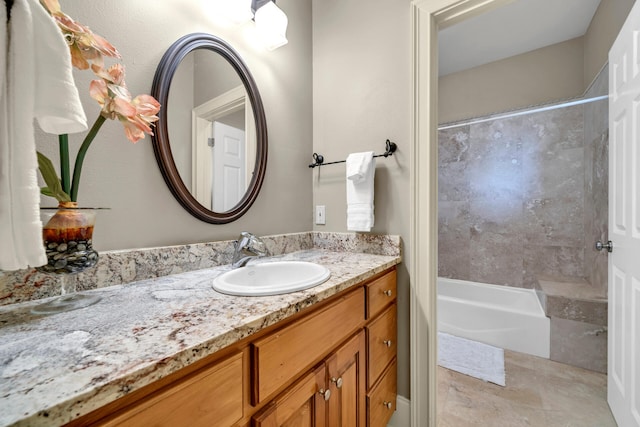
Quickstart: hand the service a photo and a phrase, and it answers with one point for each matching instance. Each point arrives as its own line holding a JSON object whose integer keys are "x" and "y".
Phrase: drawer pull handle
{"x": 388, "y": 292}
{"x": 337, "y": 381}
{"x": 387, "y": 343}
{"x": 325, "y": 393}
{"x": 388, "y": 405}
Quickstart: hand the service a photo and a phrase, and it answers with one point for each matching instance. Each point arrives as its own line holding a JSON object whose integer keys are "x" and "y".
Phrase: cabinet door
{"x": 302, "y": 405}
{"x": 346, "y": 371}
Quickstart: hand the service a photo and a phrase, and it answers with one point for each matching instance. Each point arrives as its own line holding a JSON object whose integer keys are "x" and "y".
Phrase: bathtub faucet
{"x": 246, "y": 247}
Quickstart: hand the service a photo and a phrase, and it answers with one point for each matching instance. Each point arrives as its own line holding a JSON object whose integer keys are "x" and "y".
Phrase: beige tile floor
{"x": 539, "y": 392}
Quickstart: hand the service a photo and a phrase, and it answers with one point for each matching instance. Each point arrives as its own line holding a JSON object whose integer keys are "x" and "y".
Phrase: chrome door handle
{"x": 608, "y": 246}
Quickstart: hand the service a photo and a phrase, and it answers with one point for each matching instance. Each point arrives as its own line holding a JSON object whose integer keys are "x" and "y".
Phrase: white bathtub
{"x": 502, "y": 316}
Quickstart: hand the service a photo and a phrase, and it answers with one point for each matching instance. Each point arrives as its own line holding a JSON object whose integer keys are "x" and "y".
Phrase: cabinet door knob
{"x": 337, "y": 381}
{"x": 325, "y": 393}
{"x": 388, "y": 292}
{"x": 387, "y": 343}
{"x": 388, "y": 405}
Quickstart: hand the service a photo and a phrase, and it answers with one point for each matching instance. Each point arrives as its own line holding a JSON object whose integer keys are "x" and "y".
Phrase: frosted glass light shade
{"x": 271, "y": 26}
{"x": 235, "y": 11}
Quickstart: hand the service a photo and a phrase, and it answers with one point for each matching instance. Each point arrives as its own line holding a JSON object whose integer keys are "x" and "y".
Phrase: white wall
{"x": 602, "y": 32}
{"x": 126, "y": 178}
{"x": 537, "y": 77}
{"x": 560, "y": 71}
{"x": 361, "y": 97}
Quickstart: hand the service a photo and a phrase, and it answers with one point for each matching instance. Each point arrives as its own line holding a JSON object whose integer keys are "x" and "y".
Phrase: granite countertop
{"x": 56, "y": 368}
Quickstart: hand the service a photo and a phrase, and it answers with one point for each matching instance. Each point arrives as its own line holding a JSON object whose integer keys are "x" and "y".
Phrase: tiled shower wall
{"x": 513, "y": 194}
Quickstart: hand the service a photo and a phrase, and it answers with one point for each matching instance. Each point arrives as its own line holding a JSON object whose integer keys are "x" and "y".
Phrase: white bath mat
{"x": 472, "y": 358}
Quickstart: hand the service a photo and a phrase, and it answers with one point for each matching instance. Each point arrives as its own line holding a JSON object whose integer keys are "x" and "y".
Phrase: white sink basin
{"x": 271, "y": 278}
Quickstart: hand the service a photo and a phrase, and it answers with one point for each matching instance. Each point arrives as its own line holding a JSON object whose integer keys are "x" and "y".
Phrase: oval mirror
{"x": 211, "y": 139}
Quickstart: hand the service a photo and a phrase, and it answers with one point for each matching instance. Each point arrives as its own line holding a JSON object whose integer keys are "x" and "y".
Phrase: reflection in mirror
{"x": 216, "y": 116}
{"x": 211, "y": 140}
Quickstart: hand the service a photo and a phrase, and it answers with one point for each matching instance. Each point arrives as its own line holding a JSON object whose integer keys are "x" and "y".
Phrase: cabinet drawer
{"x": 381, "y": 341}
{"x": 211, "y": 397}
{"x": 381, "y": 402}
{"x": 284, "y": 354}
{"x": 380, "y": 293}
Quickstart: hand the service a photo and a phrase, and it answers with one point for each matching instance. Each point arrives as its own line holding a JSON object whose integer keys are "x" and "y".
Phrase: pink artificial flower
{"x": 109, "y": 90}
{"x": 136, "y": 115}
{"x": 137, "y": 124}
{"x": 113, "y": 74}
{"x": 84, "y": 45}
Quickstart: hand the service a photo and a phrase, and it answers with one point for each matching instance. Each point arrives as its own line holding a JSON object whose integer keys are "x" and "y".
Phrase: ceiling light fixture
{"x": 270, "y": 21}
{"x": 271, "y": 24}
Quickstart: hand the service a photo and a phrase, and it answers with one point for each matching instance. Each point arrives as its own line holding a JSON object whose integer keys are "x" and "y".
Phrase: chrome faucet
{"x": 246, "y": 247}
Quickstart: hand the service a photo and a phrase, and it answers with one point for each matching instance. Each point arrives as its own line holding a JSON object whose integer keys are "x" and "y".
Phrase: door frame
{"x": 202, "y": 117}
{"x": 427, "y": 17}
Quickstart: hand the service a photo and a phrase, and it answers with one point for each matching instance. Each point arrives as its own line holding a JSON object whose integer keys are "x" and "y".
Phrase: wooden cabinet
{"x": 382, "y": 343}
{"x": 381, "y": 292}
{"x": 212, "y": 397}
{"x": 346, "y": 380}
{"x": 304, "y": 404}
{"x": 381, "y": 400}
{"x": 333, "y": 394}
{"x": 362, "y": 372}
{"x": 382, "y": 335}
{"x": 332, "y": 365}
{"x": 281, "y": 356}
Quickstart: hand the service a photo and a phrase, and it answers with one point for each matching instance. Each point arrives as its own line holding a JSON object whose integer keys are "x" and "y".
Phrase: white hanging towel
{"x": 36, "y": 81}
{"x": 361, "y": 168}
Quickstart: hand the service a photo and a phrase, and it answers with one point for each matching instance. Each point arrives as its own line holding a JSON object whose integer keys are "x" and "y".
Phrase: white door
{"x": 229, "y": 176}
{"x": 624, "y": 224}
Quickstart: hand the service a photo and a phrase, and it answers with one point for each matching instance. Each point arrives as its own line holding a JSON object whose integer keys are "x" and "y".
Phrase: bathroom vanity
{"x": 332, "y": 364}
{"x": 172, "y": 351}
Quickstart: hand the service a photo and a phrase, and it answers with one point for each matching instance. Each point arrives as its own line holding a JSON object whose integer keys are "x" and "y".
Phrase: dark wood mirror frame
{"x": 161, "y": 147}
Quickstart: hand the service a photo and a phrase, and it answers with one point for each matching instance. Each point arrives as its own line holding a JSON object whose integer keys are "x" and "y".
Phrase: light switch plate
{"x": 320, "y": 215}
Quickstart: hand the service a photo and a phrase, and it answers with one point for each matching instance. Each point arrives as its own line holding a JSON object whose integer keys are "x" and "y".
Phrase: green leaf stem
{"x": 63, "y": 142}
{"x": 77, "y": 168}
